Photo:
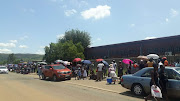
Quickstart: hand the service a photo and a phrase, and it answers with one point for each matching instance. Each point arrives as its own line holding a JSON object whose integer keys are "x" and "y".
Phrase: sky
{"x": 27, "y": 26}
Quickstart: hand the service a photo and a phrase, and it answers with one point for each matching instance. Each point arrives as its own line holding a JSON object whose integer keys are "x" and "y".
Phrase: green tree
{"x": 11, "y": 58}
{"x": 77, "y": 36}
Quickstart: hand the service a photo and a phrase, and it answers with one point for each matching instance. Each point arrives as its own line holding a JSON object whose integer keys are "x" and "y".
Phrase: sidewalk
{"x": 100, "y": 85}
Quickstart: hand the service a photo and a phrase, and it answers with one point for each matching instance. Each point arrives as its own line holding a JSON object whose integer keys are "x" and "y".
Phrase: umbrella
{"x": 43, "y": 63}
{"x": 98, "y": 60}
{"x": 165, "y": 58}
{"x": 154, "y": 56}
{"x": 66, "y": 63}
{"x": 142, "y": 57}
{"x": 77, "y": 60}
{"x": 105, "y": 63}
{"x": 86, "y": 62}
{"x": 59, "y": 61}
{"x": 126, "y": 61}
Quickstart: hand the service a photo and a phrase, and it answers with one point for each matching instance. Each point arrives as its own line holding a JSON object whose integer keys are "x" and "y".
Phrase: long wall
{"x": 158, "y": 46}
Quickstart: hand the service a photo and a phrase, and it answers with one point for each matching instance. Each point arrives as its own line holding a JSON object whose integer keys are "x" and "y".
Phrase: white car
{"x": 3, "y": 69}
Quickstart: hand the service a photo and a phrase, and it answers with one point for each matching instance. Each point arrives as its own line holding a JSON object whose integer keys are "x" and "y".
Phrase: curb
{"x": 93, "y": 87}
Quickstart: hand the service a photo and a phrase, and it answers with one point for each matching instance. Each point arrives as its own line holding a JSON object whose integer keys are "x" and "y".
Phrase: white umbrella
{"x": 66, "y": 63}
{"x": 154, "y": 56}
{"x": 61, "y": 61}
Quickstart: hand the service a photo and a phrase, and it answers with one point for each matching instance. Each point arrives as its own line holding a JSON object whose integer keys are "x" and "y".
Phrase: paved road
{"x": 18, "y": 87}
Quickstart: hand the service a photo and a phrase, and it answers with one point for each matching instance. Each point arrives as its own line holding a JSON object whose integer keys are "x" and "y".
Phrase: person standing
{"x": 114, "y": 65}
{"x": 100, "y": 67}
{"x": 112, "y": 73}
{"x": 150, "y": 62}
{"x": 129, "y": 67}
{"x": 154, "y": 80}
{"x": 120, "y": 71}
{"x": 40, "y": 71}
{"x": 163, "y": 81}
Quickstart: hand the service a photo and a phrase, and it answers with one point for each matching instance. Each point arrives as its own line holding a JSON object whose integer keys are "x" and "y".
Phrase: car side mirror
{"x": 50, "y": 69}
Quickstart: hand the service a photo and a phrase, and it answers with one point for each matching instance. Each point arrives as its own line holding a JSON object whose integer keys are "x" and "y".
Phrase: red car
{"x": 56, "y": 72}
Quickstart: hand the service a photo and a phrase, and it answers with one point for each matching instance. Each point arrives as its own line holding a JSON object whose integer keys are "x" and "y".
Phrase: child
{"x": 79, "y": 73}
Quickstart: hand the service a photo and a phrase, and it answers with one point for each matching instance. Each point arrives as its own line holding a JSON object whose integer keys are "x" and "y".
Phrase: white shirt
{"x": 100, "y": 66}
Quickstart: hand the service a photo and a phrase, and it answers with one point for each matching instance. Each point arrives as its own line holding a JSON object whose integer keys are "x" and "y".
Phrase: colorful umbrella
{"x": 77, "y": 60}
{"x": 86, "y": 62}
{"x": 126, "y": 61}
{"x": 98, "y": 60}
{"x": 105, "y": 63}
{"x": 154, "y": 56}
{"x": 165, "y": 58}
{"x": 142, "y": 57}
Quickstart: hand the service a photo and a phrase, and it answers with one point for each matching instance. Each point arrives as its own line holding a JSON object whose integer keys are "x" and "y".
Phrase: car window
{"x": 2, "y": 67}
{"x": 147, "y": 73}
{"x": 178, "y": 69}
{"x": 59, "y": 67}
{"x": 47, "y": 67}
{"x": 171, "y": 74}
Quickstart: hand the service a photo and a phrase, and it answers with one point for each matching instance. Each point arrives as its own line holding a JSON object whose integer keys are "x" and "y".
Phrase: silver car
{"x": 139, "y": 83}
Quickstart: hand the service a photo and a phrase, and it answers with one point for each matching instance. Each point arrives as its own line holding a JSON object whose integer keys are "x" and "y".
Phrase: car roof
{"x": 140, "y": 72}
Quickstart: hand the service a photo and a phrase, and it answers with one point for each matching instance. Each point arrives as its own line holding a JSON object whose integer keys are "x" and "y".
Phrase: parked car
{"x": 3, "y": 69}
{"x": 139, "y": 83}
{"x": 56, "y": 72}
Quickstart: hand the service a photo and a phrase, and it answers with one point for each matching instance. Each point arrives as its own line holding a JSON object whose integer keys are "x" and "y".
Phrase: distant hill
{"x": 24, "y": 57}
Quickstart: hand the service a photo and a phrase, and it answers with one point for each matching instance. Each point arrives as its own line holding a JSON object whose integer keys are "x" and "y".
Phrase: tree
{"x": 11, "y": 58}
{"x": 71, "y": 46}
{"x": 77, "y": 36}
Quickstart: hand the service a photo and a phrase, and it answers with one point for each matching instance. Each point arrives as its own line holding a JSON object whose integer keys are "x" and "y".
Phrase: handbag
{"x": 156, "y": 91}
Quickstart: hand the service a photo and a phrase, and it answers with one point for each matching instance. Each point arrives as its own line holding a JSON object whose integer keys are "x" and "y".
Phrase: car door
{"x": 173, "y": 85}
{"x": 46, "y": 71}
{"x": 145, "y": 80}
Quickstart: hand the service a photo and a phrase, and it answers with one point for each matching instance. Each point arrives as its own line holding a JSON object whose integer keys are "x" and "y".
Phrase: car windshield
{"x": 59, "y": 67}
{"x": 2, "y": 67}
{"x": 178, "y": 69}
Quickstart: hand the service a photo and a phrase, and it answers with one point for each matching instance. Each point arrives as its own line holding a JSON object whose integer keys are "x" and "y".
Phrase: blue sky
{"x": 26, "y": 26}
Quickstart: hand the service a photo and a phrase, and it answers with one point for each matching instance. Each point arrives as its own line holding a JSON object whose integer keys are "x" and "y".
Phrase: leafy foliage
{"x": 71, "y": 46}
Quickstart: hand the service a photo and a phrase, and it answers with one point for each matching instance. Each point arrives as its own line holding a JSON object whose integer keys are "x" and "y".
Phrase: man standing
{"x": 114, "y": 65}
{"x": 100, "y": 67}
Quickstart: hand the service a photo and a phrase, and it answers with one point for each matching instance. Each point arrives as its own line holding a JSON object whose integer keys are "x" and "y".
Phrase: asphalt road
{"x": 18, "y": 87}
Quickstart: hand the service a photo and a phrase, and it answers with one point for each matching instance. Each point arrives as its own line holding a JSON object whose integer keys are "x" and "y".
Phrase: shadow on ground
{"x": 130, "y": 94}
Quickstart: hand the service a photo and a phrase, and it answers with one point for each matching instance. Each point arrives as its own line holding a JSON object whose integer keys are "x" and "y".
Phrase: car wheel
{"x": 43, "y": 77}
{"x": 138, "y": 89}
{"x": 69, "y": 78}
{"x": 54, "y": 78}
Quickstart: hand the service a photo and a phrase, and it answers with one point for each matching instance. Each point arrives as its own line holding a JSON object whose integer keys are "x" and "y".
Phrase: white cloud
{"x": 24, "y": 37}
{"x": 132, "y": 25}
{"x": 40, "y": 52}
{"x": 5, "y": 51}
{"x": 13, "y": 41}
{"x": 10, "y": 45}
{"x": 98, "y": 39}
{"x": 167, "y": 20}
{"x": 60, "y": 36}
{"x": 173, "y": 12}
{"x": 70, "y": 12}
{"x": 147, "y": 38}
{"x": 96, "y": 13}
{"x": 23, "y": 46}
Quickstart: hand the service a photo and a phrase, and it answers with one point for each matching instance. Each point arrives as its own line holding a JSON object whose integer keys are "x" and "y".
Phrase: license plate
{"x": 67, "y": 76}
